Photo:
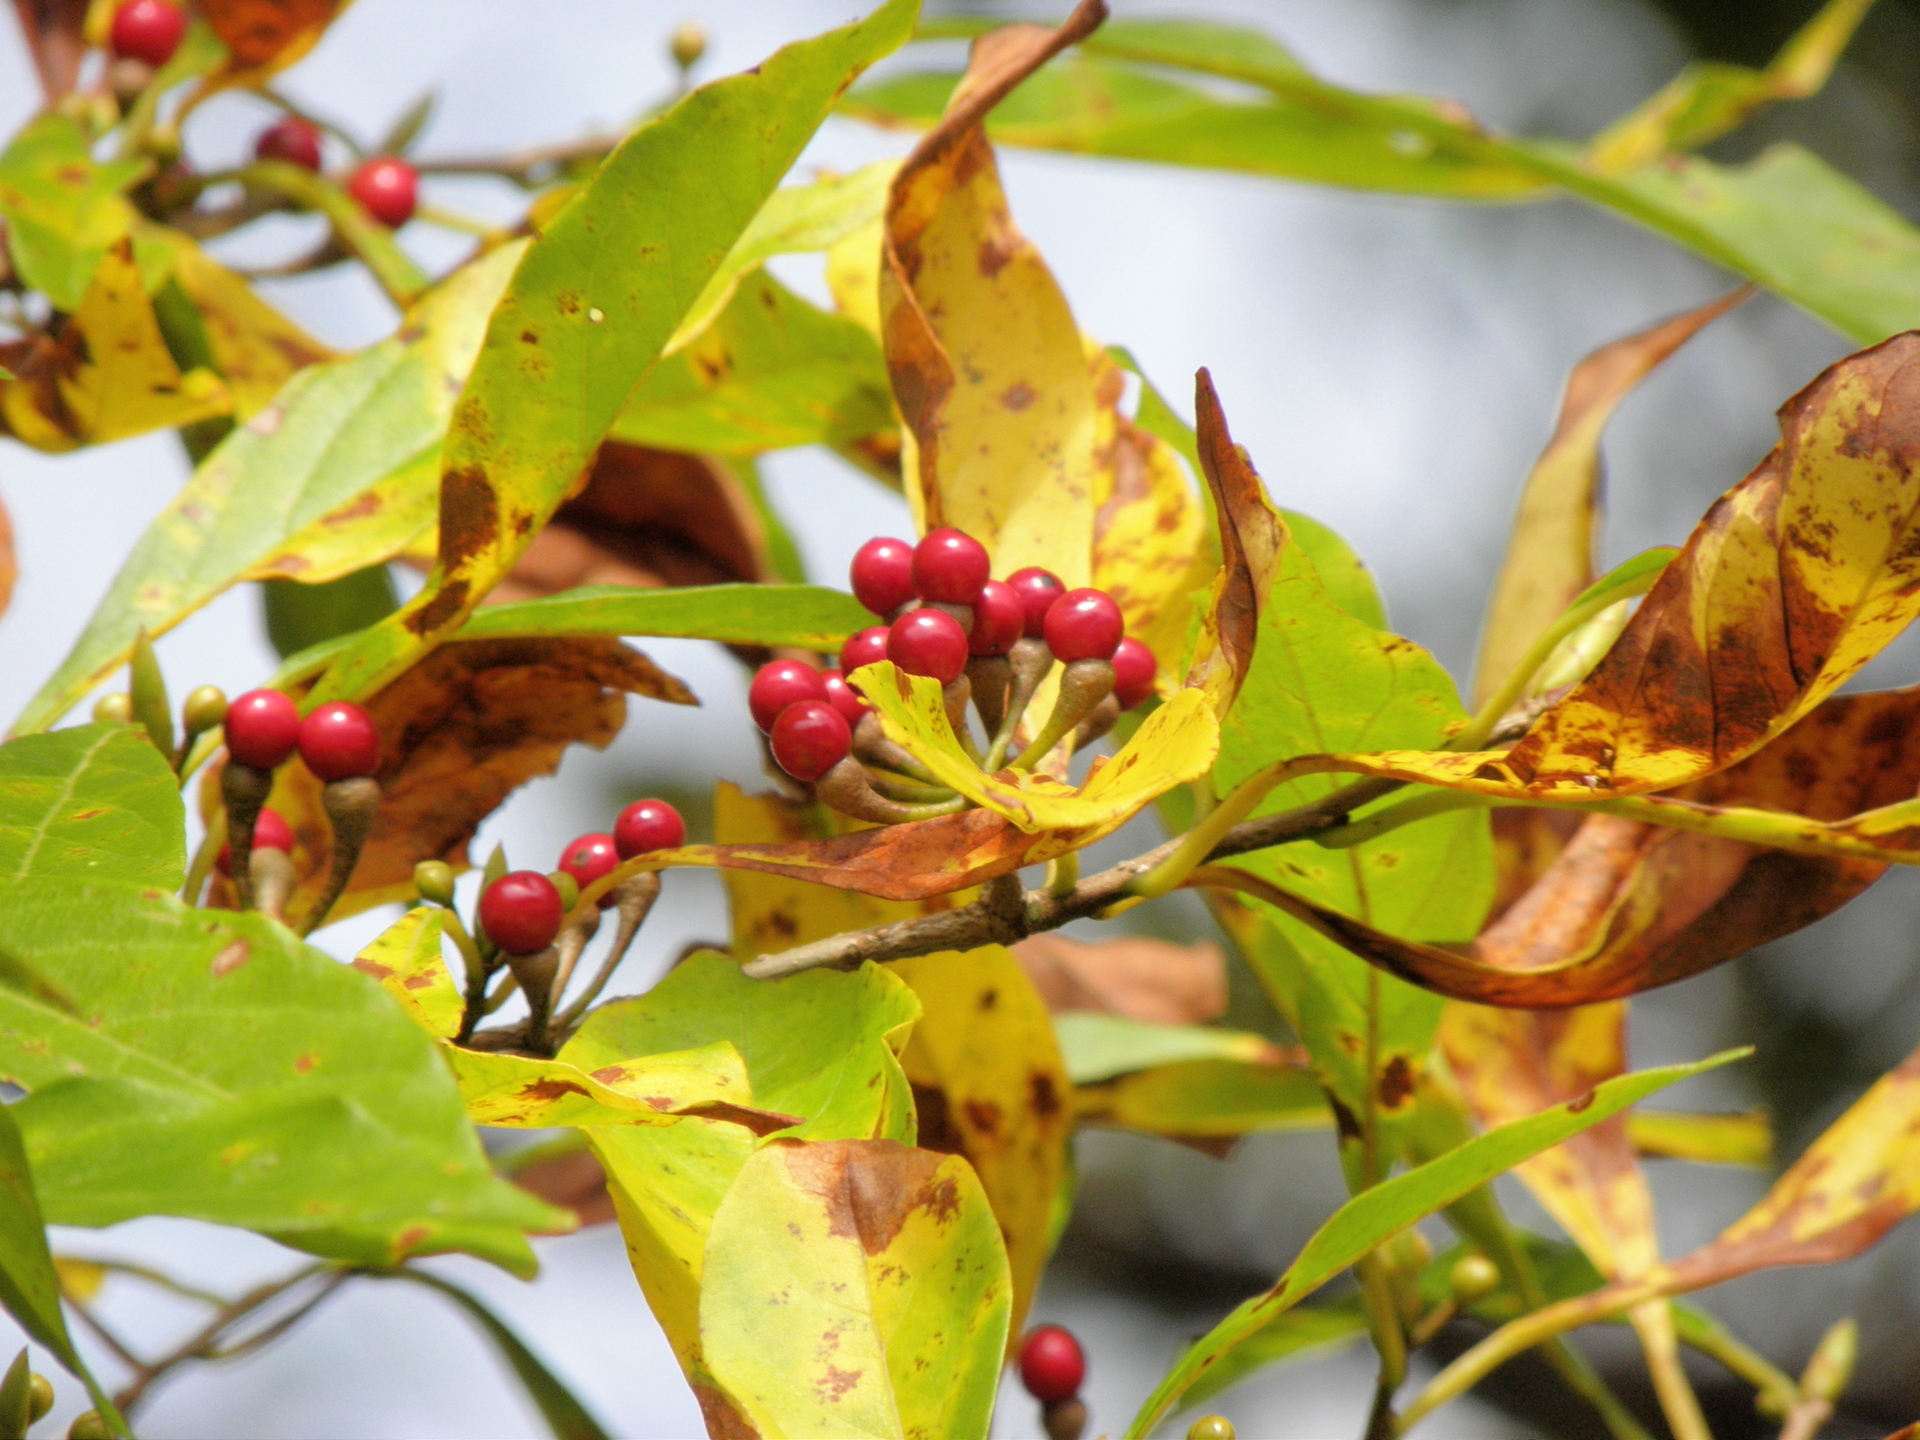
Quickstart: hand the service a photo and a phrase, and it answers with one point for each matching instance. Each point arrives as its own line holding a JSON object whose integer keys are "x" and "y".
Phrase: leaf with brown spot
{"x": 1136, "y": 976}
{"x": 460, "y": 732}
{"x": 524, "y": 1092}
{"x": 406, "y": 959}
{"x": 856, "y": 1287}
{"x": 266, "y": 36}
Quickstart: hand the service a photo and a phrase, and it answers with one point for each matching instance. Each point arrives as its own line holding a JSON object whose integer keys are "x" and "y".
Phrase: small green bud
{"x": 114, "y": 709}
{"x": 1831, "y": 1368}
{"x": 1473, "y": 1276}
{"x": 1409, "y": 1252}
{"x": 1211, "y": 1427}
{"x": 433, "y": 880}
{"x": 205, "y": 707}
{"x": 148, "y": 687}
{"x": 90, "y": 1427}
{"x": 568, "y": 887}
{"x": 39, "y": 1399}
{"x": 689, "y": 43}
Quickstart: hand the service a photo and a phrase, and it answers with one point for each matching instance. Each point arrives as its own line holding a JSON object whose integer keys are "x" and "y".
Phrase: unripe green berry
{"x": 1211, "y": 1427}
{"x": 433, "y": 882}
{"x": 1473, "y": 1276}
{"x": 568, "y": 887}
{"x": 39, "y": 1398}
{"x": 205, "y": 707}
{"x": 90, "y": 1427}
{"x": 689, "y": 43}
{"x": 114, "y": 709}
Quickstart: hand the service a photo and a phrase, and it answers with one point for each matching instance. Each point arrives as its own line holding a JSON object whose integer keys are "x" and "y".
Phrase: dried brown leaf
{"x": 1139, "y": 977}
{"x": 55, "y": 34}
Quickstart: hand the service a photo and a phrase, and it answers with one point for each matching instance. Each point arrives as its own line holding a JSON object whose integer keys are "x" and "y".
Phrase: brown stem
{"x": 634, "y": 898}
{"x": 955, "y": 694}
{"x": 272, "y": 874}
{"x": 245, "y": 789}
{"x": 847, "y": 788}
{"x": 1083, "y": 685}
{"x": 573, "y": 943}
{"x": 206, "y": 1340}
{"x": 350, "y": 805}
{"x": 535, "y": 973}
{"x": 991, "y": 677}
{"x": 1104, "y": 717}
{"x": 870, "y": 743}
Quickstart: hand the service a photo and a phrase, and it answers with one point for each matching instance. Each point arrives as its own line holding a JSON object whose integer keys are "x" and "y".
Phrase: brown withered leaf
{"x": 573, "y": 1181}
{"x": 268, "y": 35}
{"x": 460, "y": 731}
{"x": 55, "y": 36}
{"x": 1155, "y": 981}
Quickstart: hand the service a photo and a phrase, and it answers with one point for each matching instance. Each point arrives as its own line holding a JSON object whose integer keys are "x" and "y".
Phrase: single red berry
{"x": 869, "y": 647}
{"x": 588, "y": 858}
{"x": 1052, "y": 1366}
{"x": 646, "y": 826}
{"x": 1133, "y": 671}
{"x": 262, "y": 728}
{"x": 810, "y": 738}
{"x": 1037, "y": 590}
{"x": 950, "y": 567}
{"x": 387, "y": 189}
{"x": 339, "y": 741}
{"x": 998, "y": 619}
{"x": 928, "y": 642}
{"x": 291, "y": 139}
{"x": 882, "y": 574}
{"x": 270, "y": 832}
{"x": 844, "y": 698}
{"x": 148, "y": 30}
{"x": 1084, "y": 625}
{"x": 521, "y": 912}
{"x": 778, "y": 684}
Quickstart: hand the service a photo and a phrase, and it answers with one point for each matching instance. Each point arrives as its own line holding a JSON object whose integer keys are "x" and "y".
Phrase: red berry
{"x": 810, "y": 738}
{"x": 262, "y": 728}
{"x": 1037, "y": 590}
{"x": 844, "y": 698}
{"x": 291, "y": 139}
{"x": 387, "y": 189}
{"x": 521, "y": 912}
{"x": 780, "y": 683}
{"x": 950, "y": 567}
{"x": 1084, "y": 625}
{"x": 148, "y": 30}
{"x": 1133, "y": 670}
{"x": 339, "y": 741}
{"x": 648, "y": 825}
{"x": 882, "y": 574}
{"x": 928, "y": 642}
{"x": 588, "y": 858}
{"x": 1052, "y": 1366}
{"x": 270, "y": 832}
{"x": 869, "y": 647}
{"x": 998, "y": 619}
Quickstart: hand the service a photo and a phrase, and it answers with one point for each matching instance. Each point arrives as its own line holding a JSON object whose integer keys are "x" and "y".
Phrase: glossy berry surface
{"x": 646, "y": 826}
{"x": 928, "y": 642}
{"x": 999, "y": 619}
{"x": 339, "y": 741}
{"x": 387, "y": 189}
{"x": 1133, "y": 670}
{"x": 262, "y": 728}
{"x": 844, "y": 698}
{"x": 588, "y": 858}
{"x": 148, "y": 30}
{"x": 521, "y": 912}
{"x": 291, "y": 139}
{"x": 869, "y": 647}
{"x": 780, "y": 683}
{"x": 270, "y": 832}
{"x": 1083, "y": 625}
{"x": 1037, "y": 589}
{"x": 810, "y": 738}
{"x": 950, "y": 566}
{"x": 882, "y": 574}
{"x": 1051, "y": 1364}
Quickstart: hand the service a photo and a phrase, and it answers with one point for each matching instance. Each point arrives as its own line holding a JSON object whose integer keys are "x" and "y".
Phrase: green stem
{"x": 1063, "y": 873}
{"x": 1421, "y": 806}
{"x": 371, "y": 243}
{"x": 1514, "y": 687}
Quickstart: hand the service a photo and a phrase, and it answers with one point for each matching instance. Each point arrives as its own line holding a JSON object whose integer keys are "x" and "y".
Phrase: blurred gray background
{"x": 1393, "y": 366}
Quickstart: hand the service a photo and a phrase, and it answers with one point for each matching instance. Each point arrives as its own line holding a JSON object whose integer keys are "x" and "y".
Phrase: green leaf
{"x": 1098, "y": 1047}
{"x": 771, "y": 371}
{"x": 594, "y": 299}
{"x": 63, "y": 209}
{"x": 806, "y": 617}
{"x": 1375, "y": 1216}
{"x": 340, "y": 472}
{"x": 1299, "y": 1331}
{"x": 1215, "y": 1099}
{"x": 223, "y": 1070}
{"x": 97, "y": 801}
{"x": 299, "y": 616}
{"x": 566, "y": 1417}
{"x": 856, "y": 1287}
{"x": 29, "y": 1286}
{"x": 16, "y": 1399}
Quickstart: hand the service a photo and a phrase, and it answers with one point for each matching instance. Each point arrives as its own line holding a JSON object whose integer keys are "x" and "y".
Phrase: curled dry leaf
{"x": 461, "y": 730}
{"x": 264, "y": 36}
{"x": 1155, "y": 981}
{"x": 54, "y": 31}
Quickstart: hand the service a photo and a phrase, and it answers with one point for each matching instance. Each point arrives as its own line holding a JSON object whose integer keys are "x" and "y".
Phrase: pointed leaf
{"x": 1099, "y": 1047}
{"x": 521, "y": 1092}
{"x": 64, "y": 210}
{"x": 96, "y": 801}
{"x": 1208, "y": 1100}
{"x": 406, "y": 960}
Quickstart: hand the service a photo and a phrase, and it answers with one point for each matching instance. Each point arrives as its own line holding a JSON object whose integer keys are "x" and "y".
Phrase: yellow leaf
{"x": 1175, "y": 744}
{"x": 406, "y": 960}
{"x": 80, "y": 1280}
{"x": 520, "y": 1092}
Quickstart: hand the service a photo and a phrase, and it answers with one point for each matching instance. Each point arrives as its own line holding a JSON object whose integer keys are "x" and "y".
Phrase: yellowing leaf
{"x": 266, "y": 36}
{"x": 406, "y": 960}
{"x": 521, "y": 1092}
{"x": 1175, "y": 744}
{"x": 106, "y": 374}
{"x": 1208, "y": 1100}
{"x": 854, "y": 1288}
{"x": 990, "y": 1083}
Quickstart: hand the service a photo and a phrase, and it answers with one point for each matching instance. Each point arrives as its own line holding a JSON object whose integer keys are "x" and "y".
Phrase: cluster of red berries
{"x": 338, "y": 741}
{"x": 522, "y": 911}
{"x": 386, "y": 187}
{"x": 944, "y": 612}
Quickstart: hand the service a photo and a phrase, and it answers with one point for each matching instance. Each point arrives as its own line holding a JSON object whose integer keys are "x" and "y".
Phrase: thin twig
{"x": 205, "y": 1341}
